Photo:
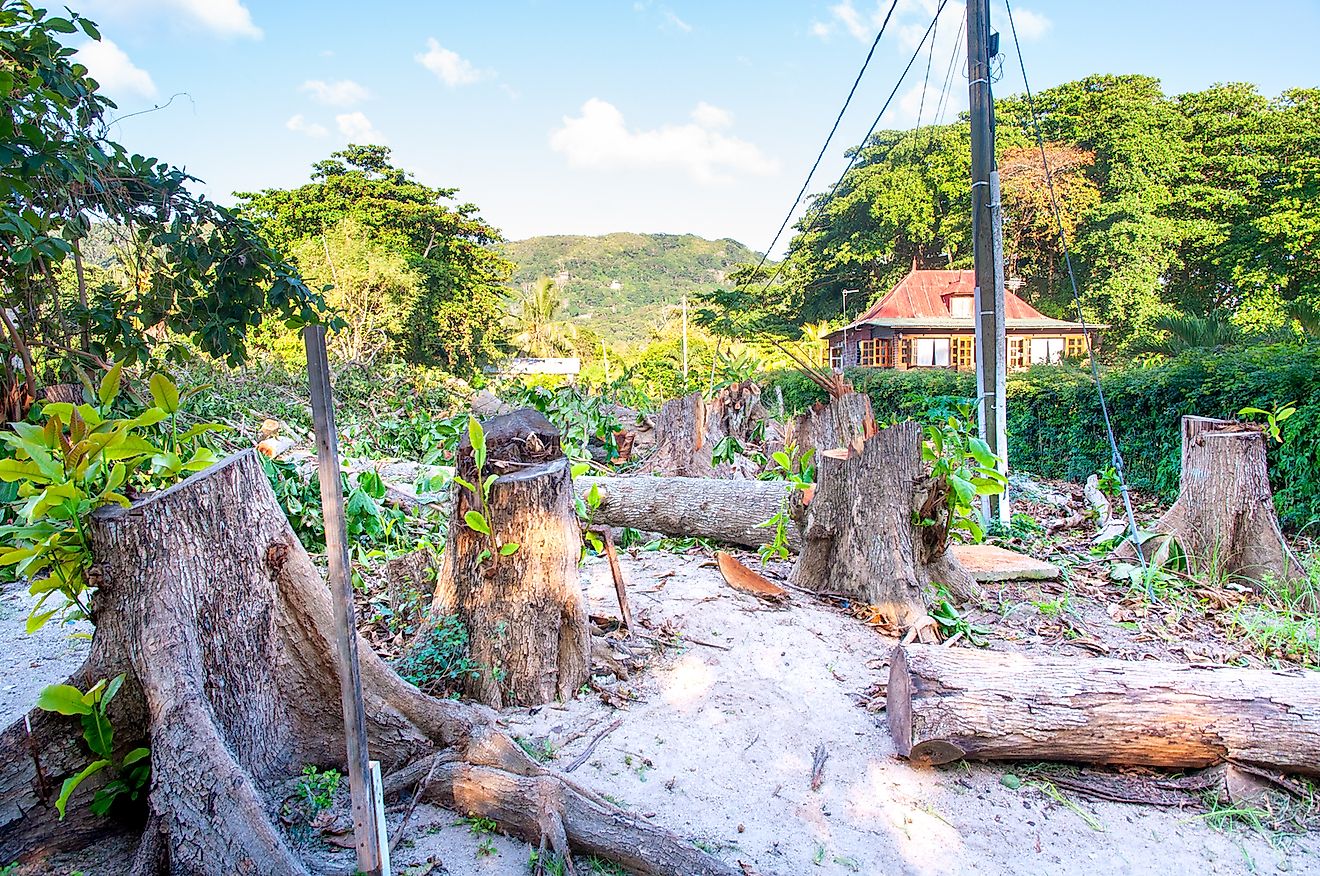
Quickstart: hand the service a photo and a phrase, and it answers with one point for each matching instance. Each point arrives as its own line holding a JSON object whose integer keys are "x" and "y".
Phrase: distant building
{"x": 926, "y": 321}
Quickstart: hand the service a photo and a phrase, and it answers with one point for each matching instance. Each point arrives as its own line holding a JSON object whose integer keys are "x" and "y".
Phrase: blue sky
{"x": 589, "y": 117}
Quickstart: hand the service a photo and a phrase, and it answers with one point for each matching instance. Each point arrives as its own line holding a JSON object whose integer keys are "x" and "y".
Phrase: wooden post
{"x": 365, "y": 828}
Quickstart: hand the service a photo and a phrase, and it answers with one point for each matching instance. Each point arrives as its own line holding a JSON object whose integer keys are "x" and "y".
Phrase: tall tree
{"x": 536, "y": 317}
{"x": 454, "y": 320}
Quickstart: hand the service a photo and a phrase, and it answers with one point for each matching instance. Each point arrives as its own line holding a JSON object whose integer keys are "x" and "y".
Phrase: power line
{"x": 837, "y": 119}
{"x": 921, "y": 108}
{"x": 1116, "y": 456}
{"x": 948, "y": 76}
{"x": 865, "y": 138}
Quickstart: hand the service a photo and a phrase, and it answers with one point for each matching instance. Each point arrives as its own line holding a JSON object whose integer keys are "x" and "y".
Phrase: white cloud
{"x": 1030, "y": 25}
{"x": 672, "y": 18}
{"x": 223, "y": 17}
{"x": 302, "y": 126}
{"x": 708, "y": 116}
{"x": 345, "y": 92}
{"x": 851, "y": 20}
{"x": 599, "y": 138}
{"x": 452, "y": 69}
{"x": 820, "y": 29}
{"x": 116, "y": 72}
{"x": 358, "y": 129}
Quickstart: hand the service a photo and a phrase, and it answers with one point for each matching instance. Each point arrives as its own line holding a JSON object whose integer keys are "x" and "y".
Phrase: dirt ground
{"x": 717, "y": 742}
{"x": 716, "y": 738}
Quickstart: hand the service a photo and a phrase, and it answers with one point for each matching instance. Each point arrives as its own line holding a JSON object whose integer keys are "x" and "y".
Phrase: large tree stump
{"x": 858, "y": 535}
{"x": 524, "y": 612}
{"x": 680, "y": 440}
{"x": 1224, "y": 517}
{"x": 949, "y": 703}
{"x": 225, "y": 631}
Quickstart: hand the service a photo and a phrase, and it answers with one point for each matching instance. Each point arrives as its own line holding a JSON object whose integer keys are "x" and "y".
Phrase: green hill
{"x": 621, "y": 285}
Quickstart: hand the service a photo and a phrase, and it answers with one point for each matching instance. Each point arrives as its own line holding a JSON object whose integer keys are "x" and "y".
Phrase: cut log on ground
{"x": 1224, "y": 517}
{"x": 224, "y": 630}
{"x": 728, "y": 511}
{"x": 859, "y": 538}
{"x": 515, "y": 585}
{"x": 944, "y": 704}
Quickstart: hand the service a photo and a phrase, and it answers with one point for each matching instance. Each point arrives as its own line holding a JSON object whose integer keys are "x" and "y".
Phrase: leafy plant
{"x": 951, "y": 622}
{"x": 439, "y": 658}
{"x": 799, "y": 470}
{"x": 475, "y": 518}
{"x": 1273, "y": 419}
{"x": 963, "y": 468}
{"x": 78, "y": 459}
{"x": 318, "y": 787}
{"x": 131, "y": 771}
{"x": 726, "y": 450}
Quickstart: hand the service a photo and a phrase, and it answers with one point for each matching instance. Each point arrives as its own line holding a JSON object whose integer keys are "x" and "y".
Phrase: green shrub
{"x": 1055, "y": 428}
{"x": 439, "y": 658}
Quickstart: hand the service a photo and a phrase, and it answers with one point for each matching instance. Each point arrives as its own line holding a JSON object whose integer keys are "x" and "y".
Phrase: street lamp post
{"x": 843, "y": 360}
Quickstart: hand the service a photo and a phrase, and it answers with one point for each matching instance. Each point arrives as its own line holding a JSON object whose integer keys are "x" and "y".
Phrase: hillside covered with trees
{"x": 652, "y": 272}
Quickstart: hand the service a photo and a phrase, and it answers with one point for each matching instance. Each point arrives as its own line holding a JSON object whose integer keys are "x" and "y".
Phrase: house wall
{"x": 894, "y": 349}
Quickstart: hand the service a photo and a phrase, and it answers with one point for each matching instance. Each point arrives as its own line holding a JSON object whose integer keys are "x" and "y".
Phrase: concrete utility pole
{"x": 685, "y": 344}
{"x": 991, "y": 341}
{"x": 843, "y": 360}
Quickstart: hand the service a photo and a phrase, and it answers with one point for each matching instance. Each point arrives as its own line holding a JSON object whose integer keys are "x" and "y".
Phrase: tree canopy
{"x": 1201, "y": 203}
{"x": 451, "y": 313}
{"x": 194, "y": 269}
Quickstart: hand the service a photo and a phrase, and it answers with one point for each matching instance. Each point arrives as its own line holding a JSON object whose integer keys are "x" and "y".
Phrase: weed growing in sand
{"x": 541, "y": 752}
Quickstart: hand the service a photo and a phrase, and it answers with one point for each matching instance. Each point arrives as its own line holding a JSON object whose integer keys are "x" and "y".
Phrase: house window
{"x": 867, "y": 354}
{"x": 1017, "y": 353}
{"x": 960, "y": 307}
{"x": 1048, "y": 350}
{"x": 886, "y": 353}
{"x": 1074, "y": 346}
{"x": 836, "y": 356}
{"x": 931, "y": 352}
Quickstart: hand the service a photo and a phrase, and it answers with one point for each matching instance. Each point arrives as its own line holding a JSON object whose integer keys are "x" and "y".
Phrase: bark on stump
{"x": 728, "y": 511}
{"x": 225, "y": 631}
{"x": 1224, "y": 517}
{"x": 858, "y": 538}
{"x": 680, "y": 440}
{"x": 524, "y": 613}
{"x": 944, "y": 704}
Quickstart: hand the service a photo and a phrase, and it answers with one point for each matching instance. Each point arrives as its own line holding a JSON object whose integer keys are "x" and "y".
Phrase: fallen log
{"x": 945, "y": 704}
{"x": 728, "y": 511}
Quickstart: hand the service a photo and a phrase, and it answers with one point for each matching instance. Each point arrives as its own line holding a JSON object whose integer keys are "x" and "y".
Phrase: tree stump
{"x": 944, "y": 704}
{"x": 524, "y": 612}
{"x": 224, "y": 630}
{"x": 1224, "y": 517}
{"x": 842, "y": 422}
{"x": 858, "y": 535}
{"x": 680, "y": 440}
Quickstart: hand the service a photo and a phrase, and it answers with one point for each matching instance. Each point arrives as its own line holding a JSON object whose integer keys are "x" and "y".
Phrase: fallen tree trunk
{"x": 728, "y": 511}
{"x": 514, "y": 585}
{"x": 944, "y": 704}
{"x": 224, "y": 630}
{"x": 859, "y": 538}
{"x": 1224, "y": 517}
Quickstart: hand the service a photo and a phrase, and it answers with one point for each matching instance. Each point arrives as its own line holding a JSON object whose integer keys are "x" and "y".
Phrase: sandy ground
{"x": 718, "y": 746}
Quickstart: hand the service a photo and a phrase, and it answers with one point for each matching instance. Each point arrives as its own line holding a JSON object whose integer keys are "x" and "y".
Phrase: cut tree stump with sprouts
{"x": 1224, "y": 518}
{"x": 524, "y": 611}
{"x": 688, "y": 429}
{"x": 858, "y": 534}
{"x": 224, "y": 630}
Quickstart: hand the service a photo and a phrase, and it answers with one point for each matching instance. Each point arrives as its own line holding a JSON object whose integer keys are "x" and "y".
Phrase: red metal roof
{"x": 926, "y": 294}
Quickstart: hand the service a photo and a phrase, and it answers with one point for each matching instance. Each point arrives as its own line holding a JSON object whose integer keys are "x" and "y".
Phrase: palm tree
{"x": 539, "y": 328}
{"x": 1183, "y": 332}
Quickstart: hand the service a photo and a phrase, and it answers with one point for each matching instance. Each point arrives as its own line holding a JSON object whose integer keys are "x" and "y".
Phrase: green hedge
{"x": 1056, "y": 430}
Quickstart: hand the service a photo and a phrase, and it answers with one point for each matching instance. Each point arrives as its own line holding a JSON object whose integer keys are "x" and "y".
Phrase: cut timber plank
{"x": 988, "y": 564}
{"x": 944, "y": 704}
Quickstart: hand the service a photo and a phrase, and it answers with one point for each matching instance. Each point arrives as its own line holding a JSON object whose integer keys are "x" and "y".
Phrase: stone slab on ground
{"x": 989, "y": 564}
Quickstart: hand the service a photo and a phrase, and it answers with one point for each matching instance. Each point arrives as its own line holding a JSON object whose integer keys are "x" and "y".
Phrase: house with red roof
{"x": 926, "y": 321}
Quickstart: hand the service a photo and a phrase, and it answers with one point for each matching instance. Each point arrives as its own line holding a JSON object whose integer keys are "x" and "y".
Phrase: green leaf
{"x": 962, "y": 489}
{"x": 109, "y": 389}
{"x": 134, "y": 756}
{"x": 476, "y": 522}
{"x": 99, "y": 733}
{"x": 781, "y": 459}
{"x": 111, "y": 689}
{"x": 981, "y": 453}
{"x": 509, "y": 548}
{"x": 579, "y": 469}
{"x": 64, "y": 699}
{"x": 164, "y": 393}
{"x": 71, "y": 783}
{"x": 477, "y": 436}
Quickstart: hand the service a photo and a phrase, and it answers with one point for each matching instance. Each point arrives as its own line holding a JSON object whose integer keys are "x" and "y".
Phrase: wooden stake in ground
{"x": 1224, "y": 518}
{"x": 366, "y": 830}
{"x": 224, "y": 631}
{"x": 515, "y": 586}
{"x": 858, "y": 535}
{"x": 944, "y": 704}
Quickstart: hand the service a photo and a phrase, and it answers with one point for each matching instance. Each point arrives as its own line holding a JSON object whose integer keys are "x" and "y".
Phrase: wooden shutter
{"x": 963, "y": 349}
